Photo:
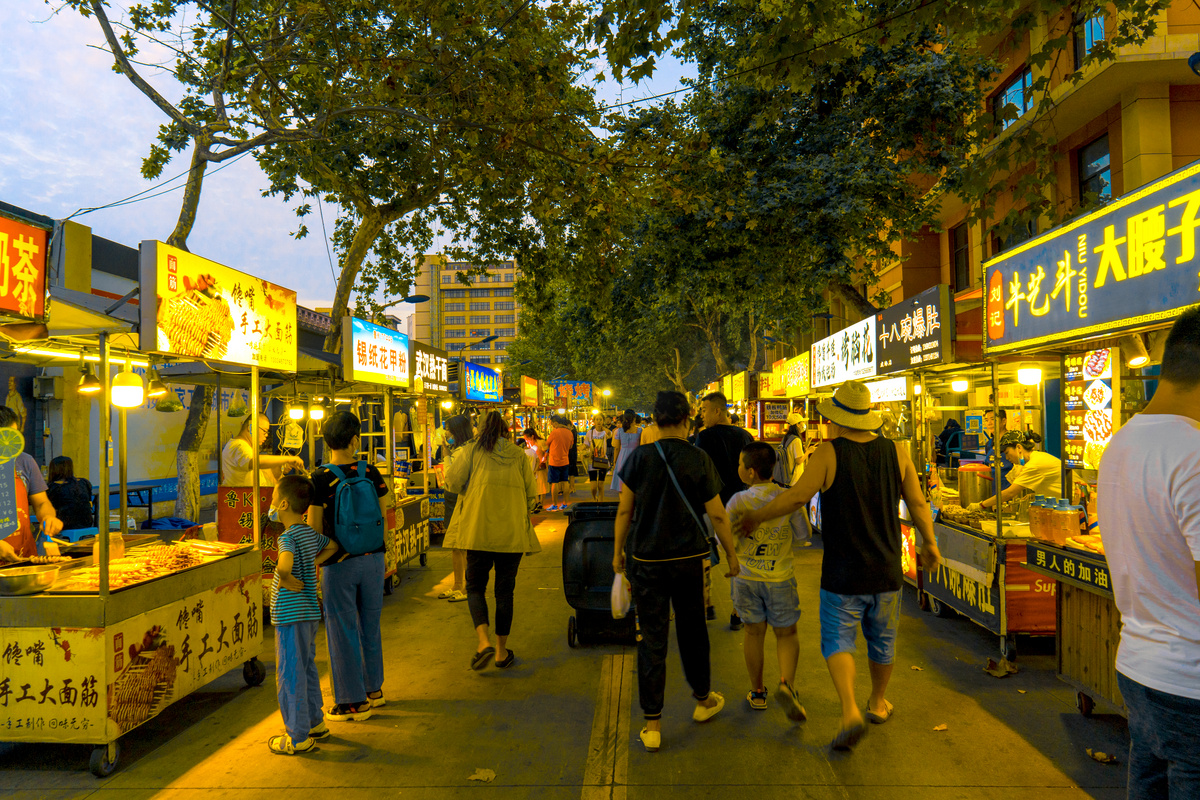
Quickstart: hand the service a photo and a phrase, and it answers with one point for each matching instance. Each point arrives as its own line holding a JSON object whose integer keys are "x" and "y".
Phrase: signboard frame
{"x": 356, "y": 331}
{"x": 430, "y": 366}
{"x": 905, "y": 332}
{"x": 468, "y": 386}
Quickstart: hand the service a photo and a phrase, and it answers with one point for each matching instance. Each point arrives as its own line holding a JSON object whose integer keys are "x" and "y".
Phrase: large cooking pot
{"x": 974, "y": 483}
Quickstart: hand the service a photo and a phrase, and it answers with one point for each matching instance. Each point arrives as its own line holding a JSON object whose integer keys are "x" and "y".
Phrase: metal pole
{"x": 105, "y": 449}
{"x": 389, "y": 437}
{"x": 219, "y": 439}
{"x": 254, "y": 458}
{"x": 123, "y": 463}
{"x": 997, "y": 454}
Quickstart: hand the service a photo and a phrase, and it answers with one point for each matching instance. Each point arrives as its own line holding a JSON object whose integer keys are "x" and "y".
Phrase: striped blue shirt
{"x": 289, "y": 606}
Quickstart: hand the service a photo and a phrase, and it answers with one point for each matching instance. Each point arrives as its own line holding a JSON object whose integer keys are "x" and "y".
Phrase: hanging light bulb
{"x": 1029, "y": 374}
{"x": 960, "y": 385}
{"x": 295, "y": 411}
{"x": 88, "y": 382}
{"x": 918, "y": 388}
{"x": 156, "y": 388}
{"x": 316, "y": 411}
{"x": 128, "y": 391}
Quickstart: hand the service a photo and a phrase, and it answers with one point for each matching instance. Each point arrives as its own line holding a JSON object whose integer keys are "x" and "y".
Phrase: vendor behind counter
{"x": 237, "y": 458}
{"x": 1034, "y": 472}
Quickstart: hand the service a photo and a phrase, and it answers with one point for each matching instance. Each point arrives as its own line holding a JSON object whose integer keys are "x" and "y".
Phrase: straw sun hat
{"x": 850, "y": 407}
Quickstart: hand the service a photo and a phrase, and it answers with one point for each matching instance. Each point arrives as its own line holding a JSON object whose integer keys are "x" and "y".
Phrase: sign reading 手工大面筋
{"x": 1130, "y": 264}
{"x": 916, "y": 331}
{"x": 847, "y": 355}
{"x": 374, "y": 354}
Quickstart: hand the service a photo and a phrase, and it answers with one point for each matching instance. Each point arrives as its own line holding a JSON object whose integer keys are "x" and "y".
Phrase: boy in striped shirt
{"x": 296, "y": 616}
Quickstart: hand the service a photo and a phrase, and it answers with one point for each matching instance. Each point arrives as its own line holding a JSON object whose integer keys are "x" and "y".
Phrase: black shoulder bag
{"x": 714, "y": 553}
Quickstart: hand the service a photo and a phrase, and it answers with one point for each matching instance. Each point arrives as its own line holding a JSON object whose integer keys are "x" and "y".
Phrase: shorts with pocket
{"x": 597, "y": 473}
{"x": 776, "y": 603}
{"x": 878, "y": 614}
{"x": 559, "y": 474}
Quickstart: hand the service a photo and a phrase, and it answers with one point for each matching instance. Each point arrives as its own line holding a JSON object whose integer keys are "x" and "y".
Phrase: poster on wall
{"x": 374, "y": 354}
{"x": 847, "y": 355}
{"x": 23, "y": 259}
{"x": 196, "y": 308}
{"x": 1091, "y": 382}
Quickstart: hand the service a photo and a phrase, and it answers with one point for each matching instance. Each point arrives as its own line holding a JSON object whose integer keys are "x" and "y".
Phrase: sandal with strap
{"x": 282, "y": 745}
{"x": 757, "y": 700}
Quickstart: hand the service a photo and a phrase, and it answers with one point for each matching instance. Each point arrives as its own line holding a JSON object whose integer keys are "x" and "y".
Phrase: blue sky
{"x": 73, "y": 134}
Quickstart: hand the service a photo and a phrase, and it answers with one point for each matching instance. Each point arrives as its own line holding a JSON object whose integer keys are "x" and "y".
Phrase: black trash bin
{"x": 588, "y": 576}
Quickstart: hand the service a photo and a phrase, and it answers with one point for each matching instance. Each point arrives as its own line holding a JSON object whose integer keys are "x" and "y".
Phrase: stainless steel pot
{"x": 27, "y": 580}
{"x": 973, "y": 485}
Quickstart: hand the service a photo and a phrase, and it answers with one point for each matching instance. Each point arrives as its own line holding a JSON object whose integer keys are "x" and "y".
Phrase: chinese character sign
{"x": 529, "y": 391}
{"x": 1129, "y": 264}
{"x": 572, "y": 393}
{"x": 795, "y": 381}
{"x": 847, "y": 355}
{"x": 1090, "y": 385}
{"x": 737, "y": 387}
{"x": 431, "y": 366}
{"x": 915, "y": 332}
{"x": 22, "y": 269}
{"x": 480, "y": 383}
{"x": 194, "y": 307}
{"x": 374, "y": 354}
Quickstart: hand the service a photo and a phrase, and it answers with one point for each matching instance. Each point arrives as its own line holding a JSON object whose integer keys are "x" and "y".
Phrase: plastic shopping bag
{"x": 622, "y": 596}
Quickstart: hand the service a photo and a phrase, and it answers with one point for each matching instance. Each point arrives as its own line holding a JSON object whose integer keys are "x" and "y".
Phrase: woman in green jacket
{"x": 497, "y": 493}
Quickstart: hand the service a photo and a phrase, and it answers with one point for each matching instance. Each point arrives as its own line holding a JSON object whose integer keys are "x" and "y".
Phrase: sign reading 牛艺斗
{"x": 1130, "y": 264}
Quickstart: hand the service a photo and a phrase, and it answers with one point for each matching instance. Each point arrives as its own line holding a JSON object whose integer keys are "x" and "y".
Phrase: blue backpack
{"x": 359, "y": 522}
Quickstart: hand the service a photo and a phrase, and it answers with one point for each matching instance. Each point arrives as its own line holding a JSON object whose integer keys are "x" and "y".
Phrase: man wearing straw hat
{"x": 861, "y": 477}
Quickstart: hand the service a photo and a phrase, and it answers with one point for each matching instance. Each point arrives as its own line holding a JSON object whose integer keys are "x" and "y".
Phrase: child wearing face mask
{"x": 297, "y": 615}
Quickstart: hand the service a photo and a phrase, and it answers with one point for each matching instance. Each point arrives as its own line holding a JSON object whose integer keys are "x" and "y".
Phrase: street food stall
{"x": 1105, "y": 315}
{"x": 118, "y": 628}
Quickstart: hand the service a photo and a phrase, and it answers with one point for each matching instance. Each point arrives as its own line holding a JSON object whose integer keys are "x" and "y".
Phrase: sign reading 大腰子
{"x": 1129, "y": 264}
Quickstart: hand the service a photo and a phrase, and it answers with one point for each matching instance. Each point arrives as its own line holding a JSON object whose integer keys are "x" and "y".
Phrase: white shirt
{"x": 766, "y": 554}
{"x": 1149, "y": 508}
{"x": 236, "y": 461}
{"x": 1041, "y": 474}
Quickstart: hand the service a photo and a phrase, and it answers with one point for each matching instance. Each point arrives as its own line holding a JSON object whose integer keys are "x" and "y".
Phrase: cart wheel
{"x": 1008, "y": 647}
{"x": 938, "y": 608}
{"x": 572, "y": 631}
{"x": 424, "y": 559}
{"x": 389, "y": 583}
{"x": 1085, "y": 704}
{"x": 253, "y": 672}
{"x": 104, "y": 759}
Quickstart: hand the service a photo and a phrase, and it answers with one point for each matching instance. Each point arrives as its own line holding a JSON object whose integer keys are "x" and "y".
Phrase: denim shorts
{"x": 879, "y": 615}
{"x": 560, "y": 474}
{"x": 775, "y": 603}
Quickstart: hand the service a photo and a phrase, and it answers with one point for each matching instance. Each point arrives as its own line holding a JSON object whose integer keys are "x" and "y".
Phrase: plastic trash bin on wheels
{"x": 588, "y": 575}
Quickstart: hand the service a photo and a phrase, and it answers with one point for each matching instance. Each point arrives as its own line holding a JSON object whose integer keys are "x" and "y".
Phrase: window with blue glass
{"x": 1088, "y": 31}
{"x": 1095, "y": 172}
{"x": 1017, "y": 92}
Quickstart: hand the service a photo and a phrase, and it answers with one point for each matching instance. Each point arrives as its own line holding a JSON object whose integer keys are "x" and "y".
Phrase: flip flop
{"x": 785, "y": 695}
{"x": 879, "y": 719}
{"x": 508, "y": 662}
{"x": 651, "y": 739}
{"x": 848, "y": 737}
{"x": 481, "y": 659}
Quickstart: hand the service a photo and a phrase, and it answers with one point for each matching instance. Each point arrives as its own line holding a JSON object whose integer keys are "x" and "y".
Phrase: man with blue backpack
{"x": 349, "y": 507}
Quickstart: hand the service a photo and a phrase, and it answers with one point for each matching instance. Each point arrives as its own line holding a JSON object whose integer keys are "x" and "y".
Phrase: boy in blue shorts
{"x": 765, "y": 591}
{"x": 297, "y": 615}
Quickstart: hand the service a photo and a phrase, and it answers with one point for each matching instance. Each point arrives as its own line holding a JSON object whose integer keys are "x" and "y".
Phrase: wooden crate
{"x": 1089, "y": 628}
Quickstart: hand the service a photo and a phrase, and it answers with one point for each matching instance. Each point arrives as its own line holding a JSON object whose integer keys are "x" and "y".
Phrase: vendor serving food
{"x": 1034, "y": 471}
{"x": 29, "y": 488}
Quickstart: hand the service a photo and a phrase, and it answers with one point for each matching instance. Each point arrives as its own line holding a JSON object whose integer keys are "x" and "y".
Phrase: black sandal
{"x": 481, "y": 659}
{"x": 508, "y": 662}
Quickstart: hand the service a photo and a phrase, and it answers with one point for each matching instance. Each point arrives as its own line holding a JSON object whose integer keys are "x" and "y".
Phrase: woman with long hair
{"x": 498, "y": 493}
{"x": 598, "y": 465}
{"x": 625, "y": 440}
{"x": 458, "y": 433}
{"x": 71, "y": 496}
{"x": 660, "y": 540}
{"x": 536, "y": 452}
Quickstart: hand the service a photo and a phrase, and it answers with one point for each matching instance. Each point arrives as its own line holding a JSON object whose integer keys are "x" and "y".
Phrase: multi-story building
{"x": 457, "y": 317}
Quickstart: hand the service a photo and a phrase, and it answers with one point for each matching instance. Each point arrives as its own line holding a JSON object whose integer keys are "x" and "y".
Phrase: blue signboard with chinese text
{"x": 1085, "y": 570}
{"x": 480, "y": 383}
{"x": 1131, "y": 264}
{"x": 573, "y": 393}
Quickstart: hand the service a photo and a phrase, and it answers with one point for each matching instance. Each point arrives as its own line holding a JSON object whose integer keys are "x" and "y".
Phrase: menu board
{"x": 775, "y": 412}
{"x": 374, "y": 354}
{"x": 847, "y": 355}
{"x": 1091, "y": 406}
{"x": 194, "y": 307}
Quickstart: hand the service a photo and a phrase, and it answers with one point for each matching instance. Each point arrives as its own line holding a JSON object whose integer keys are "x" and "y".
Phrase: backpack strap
{"x": 715, "y": 555}
{"x": 362, "y": 469}
{"x": 338, "y": 472}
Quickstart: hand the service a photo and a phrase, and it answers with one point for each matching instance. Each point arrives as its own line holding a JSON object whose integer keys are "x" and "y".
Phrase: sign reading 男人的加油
{"x": 1130, "y": 264}
{"x": 915, "y": 332}
{"x": 847, "y": 355}
{"x": 374, "y": 354}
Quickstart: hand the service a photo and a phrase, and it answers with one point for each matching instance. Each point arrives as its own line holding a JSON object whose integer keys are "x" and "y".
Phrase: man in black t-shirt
{"x": 723, "y": 442}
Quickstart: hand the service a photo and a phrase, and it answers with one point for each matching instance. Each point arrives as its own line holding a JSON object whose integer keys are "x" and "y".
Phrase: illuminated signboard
{"x": 727, "y": 386}
{"x": 480, "y": 383}
{"x": 572, "y": 393}
{"x": 1091, "y": 383}
{"x": 430, "y": 368}
{"x": 197, "y": 308}
{"x": 893, "y": 390}
{"x": 737, "y": 391}
{"x": 847, "y": 355}
{"x": 374, "y": 354}
{"x": 916, "y": 331}
{"x": 796, "y": 379}
{"x": 529, "y": 391}
{"x": 1130, "y": 264}
{"x": 22, "y": 270}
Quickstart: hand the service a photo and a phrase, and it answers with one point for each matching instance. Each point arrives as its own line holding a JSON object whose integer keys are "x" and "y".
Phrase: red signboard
{"x": 22, "y": 270}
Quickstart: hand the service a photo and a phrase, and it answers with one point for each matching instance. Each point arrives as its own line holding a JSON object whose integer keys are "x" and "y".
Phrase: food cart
{"x": 1106, "y": 317}
{"x": 105, "y": 643}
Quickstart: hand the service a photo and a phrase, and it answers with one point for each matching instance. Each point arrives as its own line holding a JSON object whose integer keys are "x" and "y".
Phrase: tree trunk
{"x": 187, "y": 457}
{"x": 369, "y": 228}
{"x": 191, "y": 196}
{"x": 753, "y": 344}
{"x": 676, "y": 374}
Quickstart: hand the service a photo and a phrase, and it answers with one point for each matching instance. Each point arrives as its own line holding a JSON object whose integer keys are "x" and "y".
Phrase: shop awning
{"x": 310, "y": 363}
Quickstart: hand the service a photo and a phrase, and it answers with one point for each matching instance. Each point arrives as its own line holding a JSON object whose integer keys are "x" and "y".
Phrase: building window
{"x": 506, "y": 306}
{"x": 499, "y": 318}
{"x": 479, "y": 333}
{"x": 454, "y": 293}
{"x": 501, "y": 359}
{"x": 480, "y": 292}
{"x": 505, "y": 331}
{"x": 480, "y": 360}
{"x": 1095, "y": 175}
{"x": 481, "y": 319}
{"x": 455, "y": 345}
{"x": 456, "y": 306}
{"x": 482, "y": 346}
{"x": 456, "y": 334}
{"x": 1088, "y": 31}
{"x": 454, "y": 321}
{"x": 1022, "y": 233}
{"x": 479, "y": 306}
{"x": 502, "y": 345}
{"x": 447, "y": 278}
{"x": 960, "y": 256}
{"x": 504, "y": 292}
{"x": 1017, "y": 92}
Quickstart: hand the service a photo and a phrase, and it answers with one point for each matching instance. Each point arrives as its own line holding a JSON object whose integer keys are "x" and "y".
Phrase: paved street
{"x": 563, "y": 723}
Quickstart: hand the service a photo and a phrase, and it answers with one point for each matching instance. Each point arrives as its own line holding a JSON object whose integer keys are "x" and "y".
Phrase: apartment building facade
{"x": 458, "y": 317}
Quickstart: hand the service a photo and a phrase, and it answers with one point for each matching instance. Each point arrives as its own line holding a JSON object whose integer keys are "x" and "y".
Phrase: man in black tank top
{"x": 861, "y": 477}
